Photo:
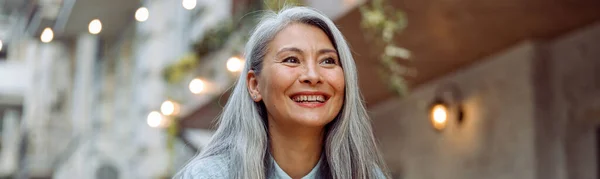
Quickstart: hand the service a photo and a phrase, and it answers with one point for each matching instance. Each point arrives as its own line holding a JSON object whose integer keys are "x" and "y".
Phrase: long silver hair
{"x": 350, "y": 149}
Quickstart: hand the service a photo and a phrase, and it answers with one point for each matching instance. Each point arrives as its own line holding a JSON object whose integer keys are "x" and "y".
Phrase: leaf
{"x": 398, "y": 52}
{"x": 382, "y": 22}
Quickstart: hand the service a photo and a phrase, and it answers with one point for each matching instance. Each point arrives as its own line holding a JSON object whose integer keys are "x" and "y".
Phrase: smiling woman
{"x": 301, "y": 82}
{"x": 296, "y": 110}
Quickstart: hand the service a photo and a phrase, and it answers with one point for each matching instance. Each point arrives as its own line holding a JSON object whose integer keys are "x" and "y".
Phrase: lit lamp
{"x": 439, "y": 115}
{"x": 47, "y": 35}
{"x": 188, "y": 4}
{"x": 141, "y": 14}
{"x": 95, "y": 26}
{"x": 169, "y": 108}
{"x": 155, "y": 119}
{"x": 235, "y": 64}
{"x": 446, "y": 106}
{"x": 196, "y": 86}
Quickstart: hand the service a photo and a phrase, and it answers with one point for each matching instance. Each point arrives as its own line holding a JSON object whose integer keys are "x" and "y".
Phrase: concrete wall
{"x": 567, "y": 95}
{"x": 530, "y": 112}
{"x": 495, "y": 139}
{"x": 576, "y": 62}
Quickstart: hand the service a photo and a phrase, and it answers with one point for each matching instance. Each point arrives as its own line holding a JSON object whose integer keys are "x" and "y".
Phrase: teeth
{"x": 309, "y": 98}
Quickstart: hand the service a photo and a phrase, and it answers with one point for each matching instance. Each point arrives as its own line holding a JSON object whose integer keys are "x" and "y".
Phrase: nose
{"x": 311, "y": 75}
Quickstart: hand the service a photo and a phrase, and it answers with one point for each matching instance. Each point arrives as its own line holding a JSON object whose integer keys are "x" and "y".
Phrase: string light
{"x": 47, "y": 35}
{"x": 189, "y": 4}
{"x": 169, "y": 108}
{"x": 234, "y": 64}
{"x": 154, "y": 119}
{"x": 95, "y": 26}
{"x": 196, "y": 86}
{"x": 142, "y": 14}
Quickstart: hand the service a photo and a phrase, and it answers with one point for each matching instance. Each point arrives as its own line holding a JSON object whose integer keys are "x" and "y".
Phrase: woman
{"x": 296, "y": 110}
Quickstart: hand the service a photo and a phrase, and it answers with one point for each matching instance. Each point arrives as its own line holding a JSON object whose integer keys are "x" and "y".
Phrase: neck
{"x": 296, "y": 150}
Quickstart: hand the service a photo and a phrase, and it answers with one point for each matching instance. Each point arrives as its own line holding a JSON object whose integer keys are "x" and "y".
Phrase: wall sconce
{"x": 439, "y": 115}
{"x": 446, "y": 106}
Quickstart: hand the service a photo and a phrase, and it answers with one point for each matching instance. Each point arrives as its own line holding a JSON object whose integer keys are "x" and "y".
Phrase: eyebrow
{"x": 294, "y": 49}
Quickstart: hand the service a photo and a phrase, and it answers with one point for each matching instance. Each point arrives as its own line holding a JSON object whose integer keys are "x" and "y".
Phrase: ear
{"x": 252, "y": 81}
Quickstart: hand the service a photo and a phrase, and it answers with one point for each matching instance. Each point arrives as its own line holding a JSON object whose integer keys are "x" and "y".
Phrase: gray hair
{"x": 241, "y": 136}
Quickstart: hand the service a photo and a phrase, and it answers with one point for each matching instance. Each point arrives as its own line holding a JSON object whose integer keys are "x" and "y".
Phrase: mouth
{"x": 306, "y": 98}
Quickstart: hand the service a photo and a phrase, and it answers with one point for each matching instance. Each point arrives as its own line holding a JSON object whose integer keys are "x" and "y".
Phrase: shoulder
{"x": 205, "y": 168}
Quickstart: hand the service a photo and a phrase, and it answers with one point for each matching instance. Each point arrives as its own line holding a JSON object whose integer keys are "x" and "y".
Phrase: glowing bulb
{"x": 169, "y": 108}
{"x": 0, "y": 45}
{"x": 189, "y": 4}
{"x": 142, "y": 14}
{"x": 196, "y": 86}
{"x": 234, "y": 64}
{"x": 439, "y": 116}
{"x": 154, "y": 119}
{"x": 95, "y": 26}
{"x": 47, "y": 35}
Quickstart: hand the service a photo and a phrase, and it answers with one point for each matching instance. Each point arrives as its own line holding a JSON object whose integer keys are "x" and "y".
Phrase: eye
{"x": 328, "y": 61}
{"x": 290, "y": 60}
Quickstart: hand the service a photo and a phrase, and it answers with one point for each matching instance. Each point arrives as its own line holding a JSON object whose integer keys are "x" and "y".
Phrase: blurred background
{"x": 463, "y": 89}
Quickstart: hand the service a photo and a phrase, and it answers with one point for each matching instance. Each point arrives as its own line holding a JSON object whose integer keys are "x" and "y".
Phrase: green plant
{"x": 277, "y": 5}
{"x": 214, "y": 39}
{"x": 176, "y": 72}
{"x": 382, "y": 23}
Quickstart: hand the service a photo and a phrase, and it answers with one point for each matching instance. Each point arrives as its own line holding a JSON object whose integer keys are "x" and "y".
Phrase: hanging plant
{"x": 176, "y": 72}
{"x": 212, "y": 41}
{"x": 214, "y": 38}
{"x": 382, "y": 23}
{"x": 277, "y": 5}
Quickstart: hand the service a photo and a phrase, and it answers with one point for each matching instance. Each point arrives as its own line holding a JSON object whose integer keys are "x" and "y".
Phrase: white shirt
{"x": 280, "y": 174}
{"x": 216, "y": 167}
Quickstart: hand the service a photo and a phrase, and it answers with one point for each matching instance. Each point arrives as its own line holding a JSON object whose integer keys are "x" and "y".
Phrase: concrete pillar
{"x": 30, "y": 106}
{"x": 86, "y": 50}
{"x": 85, "y": 56}
{"x": 29, "y": 101}
{"x": 39, "y": 59}
{"x": 10, "y": 141}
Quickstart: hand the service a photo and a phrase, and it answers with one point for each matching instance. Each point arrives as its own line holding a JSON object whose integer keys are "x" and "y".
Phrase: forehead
{"x": 302, "y": 36}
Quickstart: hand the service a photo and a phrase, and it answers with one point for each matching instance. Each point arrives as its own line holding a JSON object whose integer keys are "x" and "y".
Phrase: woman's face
{"x": 302, "y": 81}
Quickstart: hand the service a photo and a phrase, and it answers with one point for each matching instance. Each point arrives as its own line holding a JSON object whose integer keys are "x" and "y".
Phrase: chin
{"x": 313, "y": 121}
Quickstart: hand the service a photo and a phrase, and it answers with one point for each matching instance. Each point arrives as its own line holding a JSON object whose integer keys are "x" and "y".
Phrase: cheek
{"x": 277, "y": 80}
{"x": 337, "y": 81}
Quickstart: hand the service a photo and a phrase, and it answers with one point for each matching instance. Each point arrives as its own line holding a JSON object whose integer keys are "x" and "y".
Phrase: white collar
{"x": 278, "y": 173}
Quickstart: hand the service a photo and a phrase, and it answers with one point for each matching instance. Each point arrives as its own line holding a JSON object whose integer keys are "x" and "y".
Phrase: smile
{"x": 310, "y": 99}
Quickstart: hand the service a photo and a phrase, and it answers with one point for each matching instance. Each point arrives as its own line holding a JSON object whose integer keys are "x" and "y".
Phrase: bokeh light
{"x": 142, "y": 14}
{"x": 196, "y": 86}
{"x": 439, "y": 116}
{"x": 169, "y": 108}
{"x": 235, "y": 64}
{"x": 189, "y": 4}
{"x": 95, "y": 26}
{"x": 154, "y": 119}
{"x": 47, "y": 35}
